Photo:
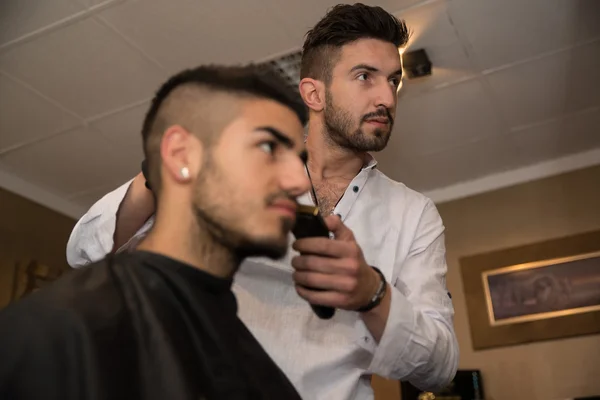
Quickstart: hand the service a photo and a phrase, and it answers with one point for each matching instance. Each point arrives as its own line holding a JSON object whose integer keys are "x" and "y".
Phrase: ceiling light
{"x": 416, "y": 64}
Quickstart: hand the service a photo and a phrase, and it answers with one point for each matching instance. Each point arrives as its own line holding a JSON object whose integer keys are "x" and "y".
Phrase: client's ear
{"x": 181, "y": 154}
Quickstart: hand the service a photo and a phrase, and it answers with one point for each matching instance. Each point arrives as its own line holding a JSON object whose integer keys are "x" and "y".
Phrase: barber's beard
{"x": 341, "y": 128}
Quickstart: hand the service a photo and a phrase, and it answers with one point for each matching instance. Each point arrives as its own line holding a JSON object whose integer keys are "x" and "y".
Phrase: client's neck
{"x": 176, "y": 234}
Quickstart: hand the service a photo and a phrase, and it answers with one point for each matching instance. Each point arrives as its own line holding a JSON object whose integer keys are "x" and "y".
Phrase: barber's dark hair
{"x": 343, "y": 24}
{"x": 251, "y": 80}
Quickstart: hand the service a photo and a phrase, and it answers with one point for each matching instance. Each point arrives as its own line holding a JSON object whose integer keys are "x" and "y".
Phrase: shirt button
{"x": 355, "y": 189}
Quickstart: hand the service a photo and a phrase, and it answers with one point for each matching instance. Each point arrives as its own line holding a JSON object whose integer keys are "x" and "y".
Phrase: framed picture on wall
{"x": 540, "y": 291}
{"x": 544, "y": 289}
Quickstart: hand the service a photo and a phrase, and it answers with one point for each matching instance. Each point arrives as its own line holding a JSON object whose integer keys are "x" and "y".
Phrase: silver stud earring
{"x": 185, "y": 172}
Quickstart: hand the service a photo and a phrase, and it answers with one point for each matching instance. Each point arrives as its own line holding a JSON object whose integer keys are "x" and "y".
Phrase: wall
{"x": 549, "y": 208}
{"x": 29, "y": 231}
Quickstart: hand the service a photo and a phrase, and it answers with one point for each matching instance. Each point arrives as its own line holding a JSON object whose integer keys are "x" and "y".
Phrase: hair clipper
{"x": 309, "y": 223}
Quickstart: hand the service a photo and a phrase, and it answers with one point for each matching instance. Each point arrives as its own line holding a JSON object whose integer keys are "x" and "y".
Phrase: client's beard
{"x": 238, "y": 245}
{"x": 220, "y": 233}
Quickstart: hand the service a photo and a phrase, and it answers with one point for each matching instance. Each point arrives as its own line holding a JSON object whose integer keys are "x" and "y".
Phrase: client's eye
{"x": 268, "y": 147}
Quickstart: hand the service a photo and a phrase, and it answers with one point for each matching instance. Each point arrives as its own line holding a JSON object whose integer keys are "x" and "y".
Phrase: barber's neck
{"x": 327, "y": 160}
{"x": 176, "y": 234}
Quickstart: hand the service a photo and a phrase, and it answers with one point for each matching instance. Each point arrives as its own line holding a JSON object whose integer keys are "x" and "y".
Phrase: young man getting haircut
{"x": 226, "y": 160}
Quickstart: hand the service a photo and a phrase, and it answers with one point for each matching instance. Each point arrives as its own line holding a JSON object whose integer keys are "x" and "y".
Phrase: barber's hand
{"x": 335, "y": 266}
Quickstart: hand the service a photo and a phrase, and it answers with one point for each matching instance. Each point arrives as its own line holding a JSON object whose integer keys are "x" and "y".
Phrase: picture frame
{"x": 541, "y": 291}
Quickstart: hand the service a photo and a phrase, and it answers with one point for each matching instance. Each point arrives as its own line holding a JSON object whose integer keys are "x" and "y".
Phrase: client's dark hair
{"x": 251, "y": 80}
{"x": 345, "y": 24}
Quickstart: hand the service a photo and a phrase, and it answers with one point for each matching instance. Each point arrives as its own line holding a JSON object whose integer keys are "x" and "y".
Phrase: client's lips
{"x": 285, "y": 206}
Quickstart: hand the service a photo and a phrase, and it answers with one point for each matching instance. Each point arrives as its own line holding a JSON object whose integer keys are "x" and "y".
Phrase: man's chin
{"x": 276, "y": 253}
{"x": 367, "y": 140}
{"x": 270, "y": 248}
{"x": 378, "y": 142}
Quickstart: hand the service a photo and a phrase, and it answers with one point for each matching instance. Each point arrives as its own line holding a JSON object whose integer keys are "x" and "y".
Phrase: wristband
{"x": 379, "y": 294}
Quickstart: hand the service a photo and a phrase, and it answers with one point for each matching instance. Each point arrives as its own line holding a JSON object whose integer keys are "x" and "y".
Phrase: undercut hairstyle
{"x": 343, "y": 24}
{"x": 204, "y": 100}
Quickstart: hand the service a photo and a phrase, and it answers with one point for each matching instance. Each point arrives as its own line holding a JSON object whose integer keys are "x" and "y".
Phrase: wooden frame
{"x": 535, "y": 292}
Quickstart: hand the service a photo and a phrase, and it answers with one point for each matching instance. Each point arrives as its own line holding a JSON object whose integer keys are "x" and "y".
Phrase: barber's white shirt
{"x": 400, "y": 232}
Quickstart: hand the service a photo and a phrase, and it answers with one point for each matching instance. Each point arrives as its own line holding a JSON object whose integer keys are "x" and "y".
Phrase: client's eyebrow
{"x": 282, "y": 138}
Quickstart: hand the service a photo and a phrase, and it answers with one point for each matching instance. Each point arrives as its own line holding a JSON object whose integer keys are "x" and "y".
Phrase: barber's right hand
{"x": 334, "y": 272}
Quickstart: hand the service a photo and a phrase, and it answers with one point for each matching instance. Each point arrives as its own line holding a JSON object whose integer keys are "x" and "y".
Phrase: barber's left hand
{"x": 337, "y": 267}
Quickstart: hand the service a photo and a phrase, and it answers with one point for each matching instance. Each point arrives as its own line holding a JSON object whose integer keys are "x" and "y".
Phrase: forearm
{"x": 417, "y": 345}
{"x": 376, "y": 319}
{"x": 135, "y": 209}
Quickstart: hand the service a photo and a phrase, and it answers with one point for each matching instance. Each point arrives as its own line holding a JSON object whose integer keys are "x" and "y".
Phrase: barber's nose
{"x": 386, "y": 96}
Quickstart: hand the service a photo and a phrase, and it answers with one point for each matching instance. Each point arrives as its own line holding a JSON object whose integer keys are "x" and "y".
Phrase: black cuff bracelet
{"x": 379, "y": 294}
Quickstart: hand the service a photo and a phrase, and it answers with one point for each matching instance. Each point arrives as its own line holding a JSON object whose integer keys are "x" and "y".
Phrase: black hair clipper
{"x": 309, "y": 223}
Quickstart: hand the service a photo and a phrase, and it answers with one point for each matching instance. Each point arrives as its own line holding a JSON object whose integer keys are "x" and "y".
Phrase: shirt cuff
{"x": 93, "y": 235}
{"x": 396, "y": 336}
{"x": 107, "y": 214}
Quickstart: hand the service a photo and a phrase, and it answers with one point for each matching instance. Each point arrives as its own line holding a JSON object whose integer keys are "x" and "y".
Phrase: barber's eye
{"x": 363, "y": 77}
{"x": 395, "y": 82}
{"x": 268, "y": 147}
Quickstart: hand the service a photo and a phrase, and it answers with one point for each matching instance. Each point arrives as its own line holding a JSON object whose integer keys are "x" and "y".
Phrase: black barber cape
{"x": 134, "y": 326}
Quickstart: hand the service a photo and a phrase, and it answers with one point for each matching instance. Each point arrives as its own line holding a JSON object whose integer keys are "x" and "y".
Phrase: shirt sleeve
{"x": 92, "y": 237}
{"x": 419, "y": 344}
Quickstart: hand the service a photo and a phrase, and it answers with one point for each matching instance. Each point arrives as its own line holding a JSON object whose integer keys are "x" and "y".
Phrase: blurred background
{"x": 504, "y": 135}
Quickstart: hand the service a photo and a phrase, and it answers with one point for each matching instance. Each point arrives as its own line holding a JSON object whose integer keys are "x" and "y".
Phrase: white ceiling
{"x": 515, "y": 86}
